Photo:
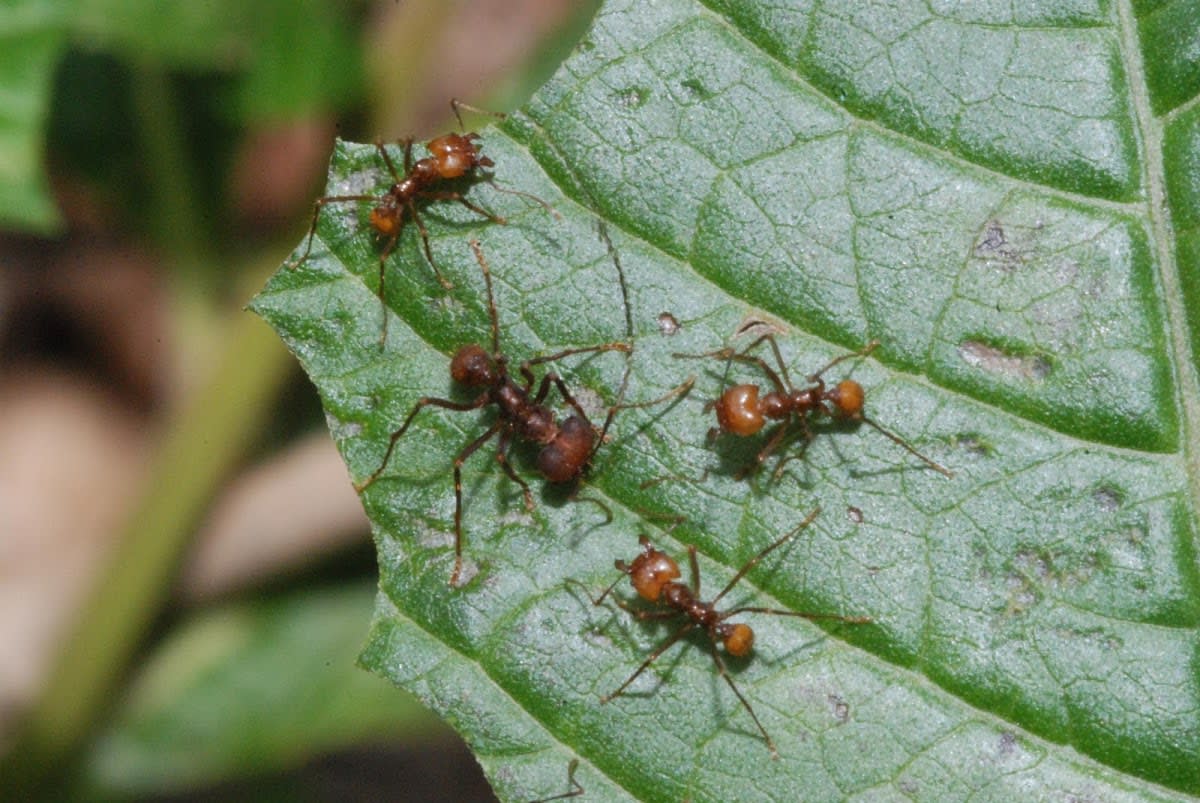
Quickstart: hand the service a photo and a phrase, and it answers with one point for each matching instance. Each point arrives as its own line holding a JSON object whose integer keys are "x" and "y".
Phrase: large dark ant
{"x": 452, "y": 156}
{"x": 577, "y": 789}
{"x": 654, "y": 576}
{"x": 567, "y": 446}
{"x": 741, "y": 411}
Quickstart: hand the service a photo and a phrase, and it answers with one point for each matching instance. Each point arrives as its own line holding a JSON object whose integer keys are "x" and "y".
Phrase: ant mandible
{"x": 741, "y": 411}
{"x": 452, "y": 156}
{"x": 654, "y": 576}
{"x": 567, "y": 447}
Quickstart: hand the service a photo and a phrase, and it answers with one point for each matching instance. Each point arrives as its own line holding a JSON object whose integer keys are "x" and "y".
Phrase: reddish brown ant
{"x": 567, "y": 446}
{"x": 452, "y": 156}
{"x": 575, "y": 792}
{"x": 654, "y": 576}
{"x": 741, "y": 411}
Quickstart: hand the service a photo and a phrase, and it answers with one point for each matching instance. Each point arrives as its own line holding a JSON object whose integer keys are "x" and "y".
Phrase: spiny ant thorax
{"x": 531, "y": 422}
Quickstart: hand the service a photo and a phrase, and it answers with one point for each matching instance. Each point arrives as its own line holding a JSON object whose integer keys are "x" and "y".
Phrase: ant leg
{"x": 594, "y": 600}
{"x": 451, "y": 195}
{"x": 745, "y": 703}
{"x": 750, "y": 564}
{"x": 411, "y": 205}
{"x": 317, "y": 207}
{"x": 653, "y": 656}
{"x": 719, "y": 354}
{"x": 502, "y": 459}
{"x": 576, "y": 792}
{"x": 798, "y": 454}
{"x": 778, "y": 356}
{"x": 616, "y": 345}
{"x": 576, "y": 497}
{"x": 467, "y": 451}
{"x": 863, "y": 352}
{"x": 681, "y": 389}
{"x": 491, "y": 300}
{"x": 769, "y": 448}
{"x": 420, "y": 405}
{"x": 695, "y": 568}
{"x": 527, "y": 373}
{"x": 563, "y": 391}
{"x": 730, "y": 355}
{"x": 620, "y": 603}
{"x": 387, "y": 159}
{"x": 550, "y": 379}
{"x": 387, "y": 251}
{"x": 528, "y": 195}
{"x": 645, "y": 616}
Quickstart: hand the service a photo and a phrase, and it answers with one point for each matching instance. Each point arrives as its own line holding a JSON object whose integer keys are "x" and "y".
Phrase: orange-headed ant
{"x": 742, "y": 411}
{"x": 451, "y": 157}
{"x": 654, "y": 575}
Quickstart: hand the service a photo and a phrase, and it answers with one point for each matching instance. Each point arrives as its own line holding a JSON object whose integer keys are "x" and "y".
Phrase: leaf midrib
{"x": 1157, "y": 211}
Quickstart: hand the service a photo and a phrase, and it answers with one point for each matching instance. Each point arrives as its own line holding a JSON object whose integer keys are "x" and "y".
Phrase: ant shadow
{"x": 652, "y": 632}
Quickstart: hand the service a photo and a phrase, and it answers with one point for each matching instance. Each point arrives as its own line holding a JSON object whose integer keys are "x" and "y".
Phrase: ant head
{"x": 651, "y": 572}
{"x": 386, "y": 219}
{"x": 473, "y": 367}
{"x": 563, "y": 459}
{"x": 738, "y": 410}
{"x": 738, "y": 639}
{"x": 847, "y": 398}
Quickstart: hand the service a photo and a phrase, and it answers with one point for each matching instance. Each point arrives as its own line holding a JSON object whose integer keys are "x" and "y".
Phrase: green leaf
{"x": 247, "y": 689}
{"x": 31, "y": 40}
{"x": 988, "y": 192}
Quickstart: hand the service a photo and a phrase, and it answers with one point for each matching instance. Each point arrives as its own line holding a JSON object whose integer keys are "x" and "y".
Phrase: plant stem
{"x": 203, "y": 440}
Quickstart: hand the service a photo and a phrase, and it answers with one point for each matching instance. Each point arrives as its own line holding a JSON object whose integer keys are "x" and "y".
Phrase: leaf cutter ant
{"x": 654, "y": 575}
{"x": 566, "y": 446}
{"x": 742, "y": 411}
{"x": 451, "y": 157}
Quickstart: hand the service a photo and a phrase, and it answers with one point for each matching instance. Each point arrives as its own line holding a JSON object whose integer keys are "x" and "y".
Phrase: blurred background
{"x": 186, "y": 575}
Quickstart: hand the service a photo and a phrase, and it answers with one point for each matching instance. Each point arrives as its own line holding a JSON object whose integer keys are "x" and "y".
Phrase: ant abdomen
{"x": 560, "y": 460}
